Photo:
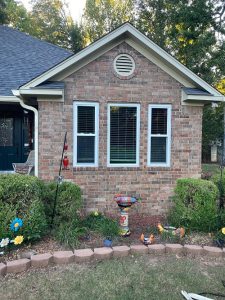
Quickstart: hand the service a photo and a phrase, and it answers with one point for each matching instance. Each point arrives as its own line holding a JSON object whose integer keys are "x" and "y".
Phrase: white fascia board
{"x": 50, "y": 92}
{"x": 134, "y": 33}
{"x": 81, "y": 63}
{"x": 141, "y": 37}
{"x": 199, "y": 100}
{"x": 77, "y": 57}
{"x": 9, "y": 99}
{"x": 211, "y": 98}
{"x": 159, "y": 62}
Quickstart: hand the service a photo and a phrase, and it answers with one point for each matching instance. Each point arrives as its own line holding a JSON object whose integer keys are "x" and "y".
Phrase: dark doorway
{"x": 16, "y": 131}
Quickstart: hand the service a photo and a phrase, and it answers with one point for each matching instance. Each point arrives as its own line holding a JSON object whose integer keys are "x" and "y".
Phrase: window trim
{"x": 168, "y": 135}
{"x": 75, "y": 134}
{"x": 137, "y": 135}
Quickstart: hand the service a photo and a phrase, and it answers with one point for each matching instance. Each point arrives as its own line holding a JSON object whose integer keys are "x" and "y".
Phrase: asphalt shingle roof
{"x": 194, "y": 91}
{"x": 23, "y": 57}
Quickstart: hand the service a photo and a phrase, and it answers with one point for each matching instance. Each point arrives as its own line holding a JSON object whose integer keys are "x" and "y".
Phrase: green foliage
{"x": 18, "y": 17}
{"x": 219, "y": 182}
{"x": 7, "y": 214}
{"x": 66, "y": 227}
{"x": 195, "y": 205}
{"x": 68, "y": 233}
{"x": 20, "y": 196}
{"x": 102, "y": 16}
{"x": 99, "y": 223}
{"x": 169, "y": 237}
{"x": 76, "y": 37}
{"x": 68, "y": 201}
{"x": 51, "y": 21}
{"x": 192, "y": 31}
{"x": 3, "y": 14}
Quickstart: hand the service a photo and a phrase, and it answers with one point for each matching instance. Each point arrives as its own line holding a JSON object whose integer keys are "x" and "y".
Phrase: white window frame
{"x": 137, "y": 135}
{"x": 75, "y": 134}
{"x": 168, "y": 136}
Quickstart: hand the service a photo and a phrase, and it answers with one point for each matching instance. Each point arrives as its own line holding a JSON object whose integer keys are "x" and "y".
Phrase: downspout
{"x": 35, "y": 111}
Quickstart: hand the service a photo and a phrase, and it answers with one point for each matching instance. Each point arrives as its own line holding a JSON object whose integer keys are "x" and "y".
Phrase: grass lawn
{"x": 142, "y": 277}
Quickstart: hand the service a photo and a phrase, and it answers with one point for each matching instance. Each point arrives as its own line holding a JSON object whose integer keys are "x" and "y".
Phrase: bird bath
{"x": 124, "y": 203}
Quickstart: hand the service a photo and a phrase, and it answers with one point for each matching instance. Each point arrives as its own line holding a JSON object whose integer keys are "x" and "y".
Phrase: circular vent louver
{"x": 124, "y": 65}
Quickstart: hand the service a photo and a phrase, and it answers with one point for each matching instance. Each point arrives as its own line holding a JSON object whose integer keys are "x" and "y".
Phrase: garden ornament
{"x": 175, "y": 231}
{"x": 147, "y": 241}
{"x": 124, "y": 203}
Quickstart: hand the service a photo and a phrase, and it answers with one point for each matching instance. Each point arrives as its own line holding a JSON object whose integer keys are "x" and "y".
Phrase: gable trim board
{"x": 141, "y": 43}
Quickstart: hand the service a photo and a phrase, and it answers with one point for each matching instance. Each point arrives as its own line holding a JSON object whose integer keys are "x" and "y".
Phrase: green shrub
{"x": 195, "y": 205}
{"x": 68, "y": 201}
{"x": 20, "y": 196}
{"x": 66, "y": 227}
{"x": 216, "y": 179}
{"x": 99, "y": 223}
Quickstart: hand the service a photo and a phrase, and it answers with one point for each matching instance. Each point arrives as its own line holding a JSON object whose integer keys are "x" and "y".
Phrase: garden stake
{"x": 59, "y": 180}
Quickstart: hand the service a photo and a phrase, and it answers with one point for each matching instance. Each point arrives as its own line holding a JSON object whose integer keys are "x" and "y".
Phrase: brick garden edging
{"x": 86, "y": 255}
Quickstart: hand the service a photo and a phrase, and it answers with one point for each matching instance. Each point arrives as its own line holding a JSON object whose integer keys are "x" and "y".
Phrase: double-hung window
{"x": 86, "y": 125}
{"x": 159, "y": 137}
{"x": 123, "y": 135}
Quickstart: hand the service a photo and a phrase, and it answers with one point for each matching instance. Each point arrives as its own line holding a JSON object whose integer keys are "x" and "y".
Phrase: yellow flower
{"x": 95, "y": 213}
{"x": 18, "y": 240}
{"x": 223, "y": 230}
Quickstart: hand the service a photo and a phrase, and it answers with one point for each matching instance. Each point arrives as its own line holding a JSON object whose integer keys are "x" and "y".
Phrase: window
{"x": 86, "y": 134}
{"x": 123, "y": 134}
{"x": 159, "y": 139}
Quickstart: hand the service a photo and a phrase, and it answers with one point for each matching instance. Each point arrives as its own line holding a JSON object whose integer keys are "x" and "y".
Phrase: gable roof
{"x": 23, "y": 57}
{"x": 141, "y": 43}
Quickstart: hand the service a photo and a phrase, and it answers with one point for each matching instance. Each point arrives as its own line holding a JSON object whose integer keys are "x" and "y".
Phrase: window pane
{"x": 6, "y": 132}
{"x": 85, "y": 119}
{"x": 123, "y": 135}
{"x": 85, "y": 149}
{"x": 159, "y": 121}
{"x": 158, "y": 149}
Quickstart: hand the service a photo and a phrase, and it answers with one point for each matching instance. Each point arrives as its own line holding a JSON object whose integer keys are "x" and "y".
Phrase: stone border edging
{"x": 86, "y": 255}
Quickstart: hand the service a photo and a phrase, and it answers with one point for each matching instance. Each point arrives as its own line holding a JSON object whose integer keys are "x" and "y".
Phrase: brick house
{"x": 133, "y": 117}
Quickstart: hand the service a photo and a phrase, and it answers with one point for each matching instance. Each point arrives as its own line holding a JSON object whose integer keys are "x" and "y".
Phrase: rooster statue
{"x": 175, "y": 231}
{"x": 147, "y": 241}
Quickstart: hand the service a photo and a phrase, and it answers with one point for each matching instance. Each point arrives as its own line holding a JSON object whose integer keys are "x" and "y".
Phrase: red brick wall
{"x": 97, "y": 82}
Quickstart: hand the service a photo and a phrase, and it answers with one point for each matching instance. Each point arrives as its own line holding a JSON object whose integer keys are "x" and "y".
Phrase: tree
{"x": 3, "y": 15}
{"x": 76, "y": 38}
{"x": 189, "y": 30}
{"x": 51, "y": 22}
{"x": 102, "y": 16}
{"x": 18, "y": 17}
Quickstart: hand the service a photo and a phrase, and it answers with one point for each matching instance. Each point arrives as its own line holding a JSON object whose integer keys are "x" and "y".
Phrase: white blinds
{"x": 123, "y": 134}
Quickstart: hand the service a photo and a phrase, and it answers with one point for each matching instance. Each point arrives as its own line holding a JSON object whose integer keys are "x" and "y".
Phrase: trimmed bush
{"x": 195, "y": 205}
{"x": 20, "y": 196}
{"x": 66, "y": 227}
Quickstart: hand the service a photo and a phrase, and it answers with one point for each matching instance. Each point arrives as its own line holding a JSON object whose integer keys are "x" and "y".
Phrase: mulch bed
{"x": 93, "y": 240}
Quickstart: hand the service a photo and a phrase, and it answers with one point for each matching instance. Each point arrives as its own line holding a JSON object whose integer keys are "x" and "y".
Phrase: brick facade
{"x": 149, "y": 84}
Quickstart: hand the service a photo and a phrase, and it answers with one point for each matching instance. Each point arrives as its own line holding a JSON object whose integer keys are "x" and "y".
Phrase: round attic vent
{"x": 124, "y": 65}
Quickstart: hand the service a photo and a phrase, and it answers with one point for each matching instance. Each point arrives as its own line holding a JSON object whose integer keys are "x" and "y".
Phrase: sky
{"x": 75, "y": 6}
